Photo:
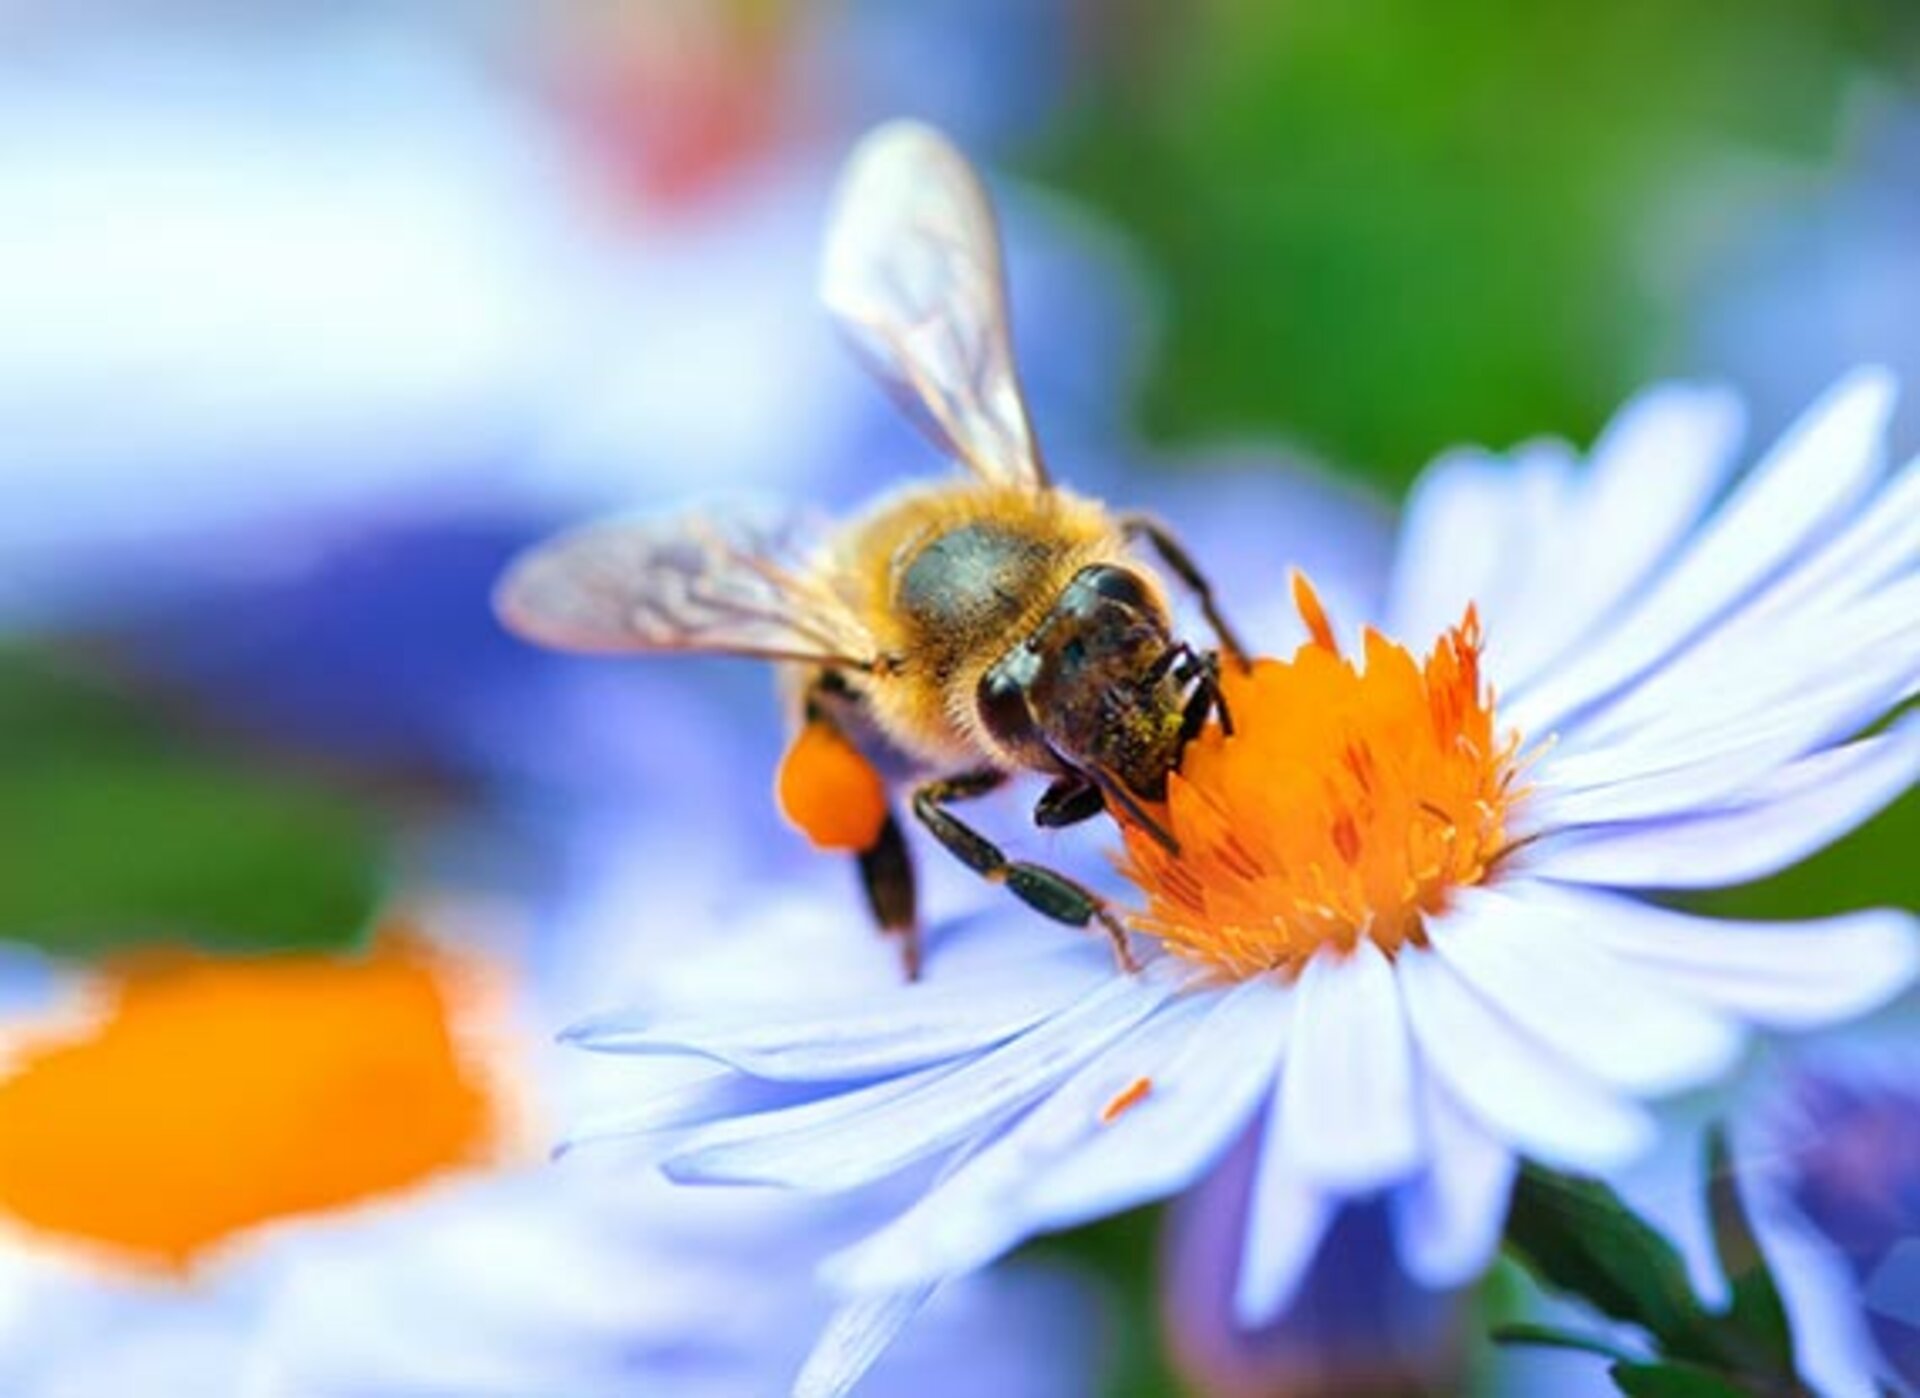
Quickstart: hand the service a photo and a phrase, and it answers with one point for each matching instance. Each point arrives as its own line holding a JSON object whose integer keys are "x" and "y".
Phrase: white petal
{"x": 1448, "y": 1221}
{"x": 1785, "y": 975}
{"x": 1650, "y": 476}
{"x": 1347, "y": 1112}
{"x": 1881, "y": 543}
{"x": 1478, "y": 529}
{"x": 1814, "y": 474}
{"x": 1444, "y": 561}
{"x": 1807, "y": 622}
{"x": 1199, "y": 1102}
{"x": 1526, "y": 1095}
{"x": 907, "y": 1027}
{"x": 857, "y": 1335}
{"x": 979, "y": 1210}
{"x": 827, "y": 1127}
{"x": 1782, "y": 820}
{"x": 1572, "y": 996}
{"x": 1722, "y": 717}
{"x": 1637, "y": 782}
{"x": 1541, "y": 488}
{"x": 1208, "y": 1062}
{"x": 686, "y": 1105}
{"x": 1287, "y": 1216}
{"x": 873, "y": 1132}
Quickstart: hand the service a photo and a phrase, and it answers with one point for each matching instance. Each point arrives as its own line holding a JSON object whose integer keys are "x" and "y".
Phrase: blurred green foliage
{"x": 115, "y": 832}
{"x": 1385, "y": 226}
{"x": 1122, "y": 1252}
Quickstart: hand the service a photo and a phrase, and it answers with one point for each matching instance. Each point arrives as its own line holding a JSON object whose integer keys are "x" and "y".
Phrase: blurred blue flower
{"x": 989, "y": 71}
{"x": 1360, "y": 1324}
{"x": 255, "y": 281}
{"x": 368, "y": 633}
{"x": 269, "y": 275}
{"x": 1686, "y": 657}
{"x": 1829, "y": 1159}
{"x": 1821, "y": 271}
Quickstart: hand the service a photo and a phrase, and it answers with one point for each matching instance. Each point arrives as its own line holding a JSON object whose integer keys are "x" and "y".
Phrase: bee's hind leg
{"x": 886, "y": 873}
{"x": 1046, "y": 891}
{"x": 830, "y": 791}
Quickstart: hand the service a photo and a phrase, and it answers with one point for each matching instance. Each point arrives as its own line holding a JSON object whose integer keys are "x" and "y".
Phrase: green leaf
{"x": 1577, "y": 1237}
{"x": 1674, "y": 1381}
{"x": 1120, "y": 1252}
{"x": 1390, "y": 226}
{"x": 113, "y": 833}
{"x": 1553, "y": 1337}
{"x": 1757, "y": 1314}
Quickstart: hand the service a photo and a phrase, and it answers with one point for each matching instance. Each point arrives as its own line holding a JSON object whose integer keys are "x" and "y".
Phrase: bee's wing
{"x": 731, "y": 587}
{"x": 912, "y": 271}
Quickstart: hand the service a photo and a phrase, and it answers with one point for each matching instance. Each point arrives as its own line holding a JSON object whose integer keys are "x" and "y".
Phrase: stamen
{"x": 1307, "y": 602}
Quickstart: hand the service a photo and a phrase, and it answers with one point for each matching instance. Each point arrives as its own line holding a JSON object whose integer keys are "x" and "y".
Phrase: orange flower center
{"x": 1346, "y": 803}
{"x": 217, "y": 1095}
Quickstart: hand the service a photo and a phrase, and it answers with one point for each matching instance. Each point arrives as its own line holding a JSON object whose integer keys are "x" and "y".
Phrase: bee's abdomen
{"x": 971, "y": 581}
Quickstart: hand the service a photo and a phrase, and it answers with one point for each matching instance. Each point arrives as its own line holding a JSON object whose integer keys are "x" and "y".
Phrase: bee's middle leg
{"x": 1047, "y": 891}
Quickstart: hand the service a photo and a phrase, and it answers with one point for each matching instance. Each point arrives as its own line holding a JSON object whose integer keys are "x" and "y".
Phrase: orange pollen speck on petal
{"x": 215, "y": 1095}
{"x": 1346, "y": 803}
{"x": 1125, "y": 1100}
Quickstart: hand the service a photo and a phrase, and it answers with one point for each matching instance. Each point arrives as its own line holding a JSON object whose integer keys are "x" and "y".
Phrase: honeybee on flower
{"x": 1393, "y": 910}
{"x": 957, "y": 632}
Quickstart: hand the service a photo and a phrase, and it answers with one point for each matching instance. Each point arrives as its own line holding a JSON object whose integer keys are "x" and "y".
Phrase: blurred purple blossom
{"x": 1831, "y": 1157}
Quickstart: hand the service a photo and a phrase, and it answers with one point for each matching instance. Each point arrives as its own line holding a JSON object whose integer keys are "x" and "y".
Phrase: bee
{"x": 957, "y": 632}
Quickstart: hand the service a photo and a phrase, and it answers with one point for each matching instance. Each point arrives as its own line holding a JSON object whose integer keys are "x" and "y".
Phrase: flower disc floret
{"x": 1344, "y": 801}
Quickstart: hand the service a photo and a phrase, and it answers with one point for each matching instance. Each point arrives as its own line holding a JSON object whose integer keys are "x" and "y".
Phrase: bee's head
{"x": 1096, "y": 684}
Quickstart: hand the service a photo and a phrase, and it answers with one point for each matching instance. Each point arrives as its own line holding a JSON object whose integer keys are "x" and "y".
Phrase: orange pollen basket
{"x": 217, "y": 1095}
{"x": 1345, "y": 804}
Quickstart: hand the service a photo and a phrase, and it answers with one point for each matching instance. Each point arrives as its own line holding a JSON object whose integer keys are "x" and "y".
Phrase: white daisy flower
{"x": 310, "y": 1175}
{"x": 1400, "y": 942}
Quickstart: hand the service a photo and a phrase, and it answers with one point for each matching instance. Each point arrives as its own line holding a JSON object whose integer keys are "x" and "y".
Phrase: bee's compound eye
{"x": 1115, "y": 585}
{"x": 1003, "y": 705}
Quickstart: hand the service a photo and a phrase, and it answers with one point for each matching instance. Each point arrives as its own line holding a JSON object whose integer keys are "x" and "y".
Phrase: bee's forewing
{"x": 912, "y": 271}
{"x": 689, "y": 584}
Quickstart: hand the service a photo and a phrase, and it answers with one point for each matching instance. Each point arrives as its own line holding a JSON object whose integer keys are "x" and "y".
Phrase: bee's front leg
{"x": 1046, "y": 891}
{"x": 1208, "y": 698}
{"x": 1068, "y": 801}
{"x": 1180, "y": 563}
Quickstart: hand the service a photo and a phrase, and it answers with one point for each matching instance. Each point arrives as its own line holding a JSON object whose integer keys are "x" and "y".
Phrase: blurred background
{"x": 311, "y": 314}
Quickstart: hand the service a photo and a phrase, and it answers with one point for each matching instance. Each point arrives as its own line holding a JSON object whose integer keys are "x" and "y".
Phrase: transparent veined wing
{"x": 730, "y": 586}
{"x": 912, "y": 272}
